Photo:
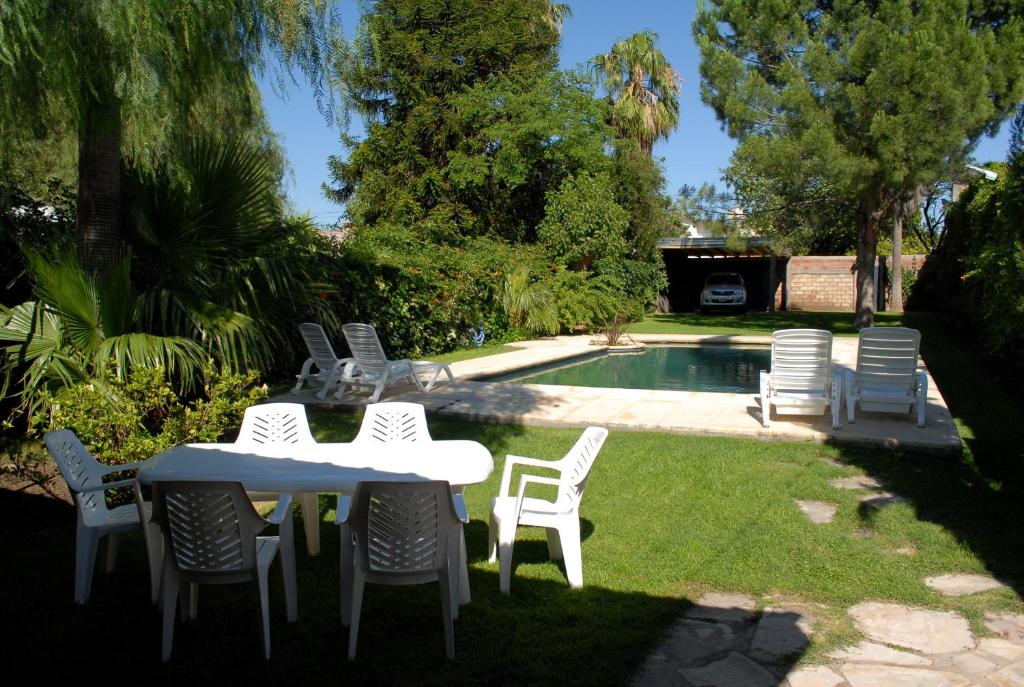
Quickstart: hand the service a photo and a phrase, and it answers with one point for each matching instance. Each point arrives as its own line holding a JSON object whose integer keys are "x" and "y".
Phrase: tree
{"x": 468, "y": 123}
{"x": 860, "y": 101}
{"x": 121, "y": 74}
{"x": 583, "y": 223}
{"x": 643, "y": 88}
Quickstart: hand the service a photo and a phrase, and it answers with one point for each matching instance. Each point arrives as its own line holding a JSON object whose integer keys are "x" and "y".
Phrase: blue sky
{"x": 693, "y": 154}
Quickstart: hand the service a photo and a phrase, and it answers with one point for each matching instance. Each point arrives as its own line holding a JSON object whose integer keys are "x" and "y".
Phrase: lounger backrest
{"x": 319, "y": 347}
{"x": 365, "y": 346}
{"x": 887, "y": 356}
{"x": 801, "y": 359}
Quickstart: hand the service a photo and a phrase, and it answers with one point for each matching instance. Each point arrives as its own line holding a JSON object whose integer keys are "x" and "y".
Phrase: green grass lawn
{"x": 470, "y": 353}
{"x": 665, "y": 518}
{"x": 839, "y": 323}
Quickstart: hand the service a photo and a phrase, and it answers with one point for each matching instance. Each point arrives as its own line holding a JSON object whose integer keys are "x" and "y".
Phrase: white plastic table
{"x": 312, "y": 468}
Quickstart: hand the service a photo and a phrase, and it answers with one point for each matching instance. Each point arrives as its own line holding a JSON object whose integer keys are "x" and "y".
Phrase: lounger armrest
{"x": 511, "y": 461}
{"x": 524, "y": 482}
{"x": 108, "y": 485}
{"x": 344, "y": 506}
{"x": 284, "y": 505}
{"x": 459, "y": 502}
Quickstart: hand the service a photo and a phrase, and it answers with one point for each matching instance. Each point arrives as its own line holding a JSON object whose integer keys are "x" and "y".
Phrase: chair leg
{"x": 358, "y": 583}
{"x": 262, "y": 573}
{"x": 492, "y": 540}
{"x": 154, "y": 553}
{"x": 190, "y": 602}
{"x": 310, "y": 521}
{"x": 86, "y": 543}
{"x": 506, "y": 541}
{"x": 300, "y": 378}
{"x": 286, "y": 544}
{"x": 347, "y": 559}
{"x": 766, "y": 406}
{"x": 113, "y": 542}
{"x": 921, "y": 398}
{"x": 569, "y": 531}
{"x": 444, "y": 580}
{"x": 554, "y": 544}
{"x": 463, "y": 563}
{"x": 379, "y": 388}
{"x": 169, "y": 597}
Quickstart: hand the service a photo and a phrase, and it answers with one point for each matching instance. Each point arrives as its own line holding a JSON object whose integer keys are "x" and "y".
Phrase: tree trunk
{"x": 896, "y": 299}
{"x": 867, "y": 247}
{"x": 99, "y": 181}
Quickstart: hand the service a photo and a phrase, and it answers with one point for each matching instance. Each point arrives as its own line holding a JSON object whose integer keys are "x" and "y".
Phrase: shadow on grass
{"x": 543, "y": 633}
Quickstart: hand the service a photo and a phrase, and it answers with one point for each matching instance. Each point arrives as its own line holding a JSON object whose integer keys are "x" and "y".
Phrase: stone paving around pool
{"x": 669, "y": 411}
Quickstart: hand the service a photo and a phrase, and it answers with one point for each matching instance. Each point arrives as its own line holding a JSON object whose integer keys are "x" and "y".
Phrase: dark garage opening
{"x": 689, "y": 261}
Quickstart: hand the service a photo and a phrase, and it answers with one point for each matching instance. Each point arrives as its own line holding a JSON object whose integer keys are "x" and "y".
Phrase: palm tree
{"x": 643, "y": 89}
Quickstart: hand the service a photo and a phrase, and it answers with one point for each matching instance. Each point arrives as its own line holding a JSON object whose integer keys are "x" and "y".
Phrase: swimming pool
{"x": 710, "y": 368}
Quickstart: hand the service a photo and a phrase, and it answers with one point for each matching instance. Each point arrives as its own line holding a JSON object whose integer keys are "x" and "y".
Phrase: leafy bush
{"x": 124, "y": 421}
{"x": 583, "y": 223}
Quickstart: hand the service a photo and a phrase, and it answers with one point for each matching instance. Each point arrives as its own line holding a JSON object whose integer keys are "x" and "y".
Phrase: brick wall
{"x": 829, "y": 283}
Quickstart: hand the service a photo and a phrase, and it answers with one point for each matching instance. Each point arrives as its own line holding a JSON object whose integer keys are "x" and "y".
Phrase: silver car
{"x": 723, "y": 290}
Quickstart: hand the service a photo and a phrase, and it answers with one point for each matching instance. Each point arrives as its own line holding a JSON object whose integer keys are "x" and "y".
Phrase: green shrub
{"x": 583, "y": 223}
{"x": 126, "y": 421}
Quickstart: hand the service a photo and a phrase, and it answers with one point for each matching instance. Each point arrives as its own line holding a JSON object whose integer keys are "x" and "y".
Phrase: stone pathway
{"x": 723, "y": 642}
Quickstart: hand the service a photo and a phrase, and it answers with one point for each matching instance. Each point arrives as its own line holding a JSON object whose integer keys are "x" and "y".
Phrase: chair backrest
{"x": 318, "y": 345}
{"x": 576, "y": 464}
{"x": 393, "y": 421}
{"x": 401, "y": 527}
{"x": 801, "y": 359}
{"x": 79, "y": 469}
{"x": 209, "y": 527}
{"x": 887, "y": 356}
{"x": 365, "y": 346}
{"x": 275, "y": 423}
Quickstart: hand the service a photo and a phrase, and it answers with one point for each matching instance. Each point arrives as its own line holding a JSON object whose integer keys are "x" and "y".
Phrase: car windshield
{"x": 724, "y": 280}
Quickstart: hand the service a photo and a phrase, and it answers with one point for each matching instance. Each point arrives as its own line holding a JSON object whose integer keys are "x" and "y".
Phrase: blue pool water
{"x": 726, "y": 369}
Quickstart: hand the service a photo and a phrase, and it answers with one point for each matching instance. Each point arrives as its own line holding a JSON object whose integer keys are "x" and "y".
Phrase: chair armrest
{"x": 108, "y": 485}
{"x": 344, "y": 506}
{"x": 511, "y": 461}
{"x": 460, "y": 507}
{"x": 110, "y": 469}
{"x": 526, "y": 480}
{"x": 284, "y": 504}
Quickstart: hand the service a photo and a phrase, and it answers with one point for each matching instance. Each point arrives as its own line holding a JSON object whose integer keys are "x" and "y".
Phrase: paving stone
{"x": 695, "y": 641}
{"x": 870, "y": 675}
{"x": 814, "y": 676}
{"x": 781, "y": 633}
{"x": 1010, "y": 676}
{"x": 972, "y": 664}
{"x": 1007, "y": 625}
{"x": 856, "y": 482}
{"x": 997, "y": 646}
{"x": 872, "y": 652}
{"x": 882, "y": 499}
{"x": 818, "y": 512}
{"x": 658, "y": 671}
{"x": 864, "y": 533}
{"x": 962, "y": 584}
{"x": 735, "y": 670}
{"x": 909, "y": 550}
{"x": 730, "y": 608}
{"x": 927, "y": 631}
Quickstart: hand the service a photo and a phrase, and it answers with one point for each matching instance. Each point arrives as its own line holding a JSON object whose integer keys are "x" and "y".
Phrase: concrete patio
{"x": 684, "y": 412}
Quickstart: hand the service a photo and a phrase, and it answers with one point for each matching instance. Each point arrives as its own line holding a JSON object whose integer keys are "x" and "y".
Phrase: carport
{"x": 689, "y": 260}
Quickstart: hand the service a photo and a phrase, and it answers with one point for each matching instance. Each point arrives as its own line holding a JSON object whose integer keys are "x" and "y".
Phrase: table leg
{"x": 311, "y": 521}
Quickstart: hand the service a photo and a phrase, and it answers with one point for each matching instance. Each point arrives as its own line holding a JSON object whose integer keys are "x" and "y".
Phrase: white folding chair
{"x": 373, "y": 369}
{"x": 84, "y": 477}
{"x": 402, "y": 533}
{"x": 887, "y": 379}
{"x": 283, "y": 423}
{"x": 329, "y": 366}
{"x": 559, "y": 517}
{"x": 801, "y": 381}
{"x": 210, "y": 533}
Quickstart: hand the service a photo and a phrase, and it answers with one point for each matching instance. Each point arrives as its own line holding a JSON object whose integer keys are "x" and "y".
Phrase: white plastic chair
{"x": 210, "y": 533}
{"x": 404, "y": 422}
{"x": 559, "y": 517}
{"x": 84, "y": 477}
{"x": 283, "y": 423}
{"x": 887, "y": 379}
{"x": 321, "y": 354}
{"x": 393, "y": 421}
{"x": 372, "y": 367}
{"x": 801, "y": 381}
{"x": 402, "y": 533}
